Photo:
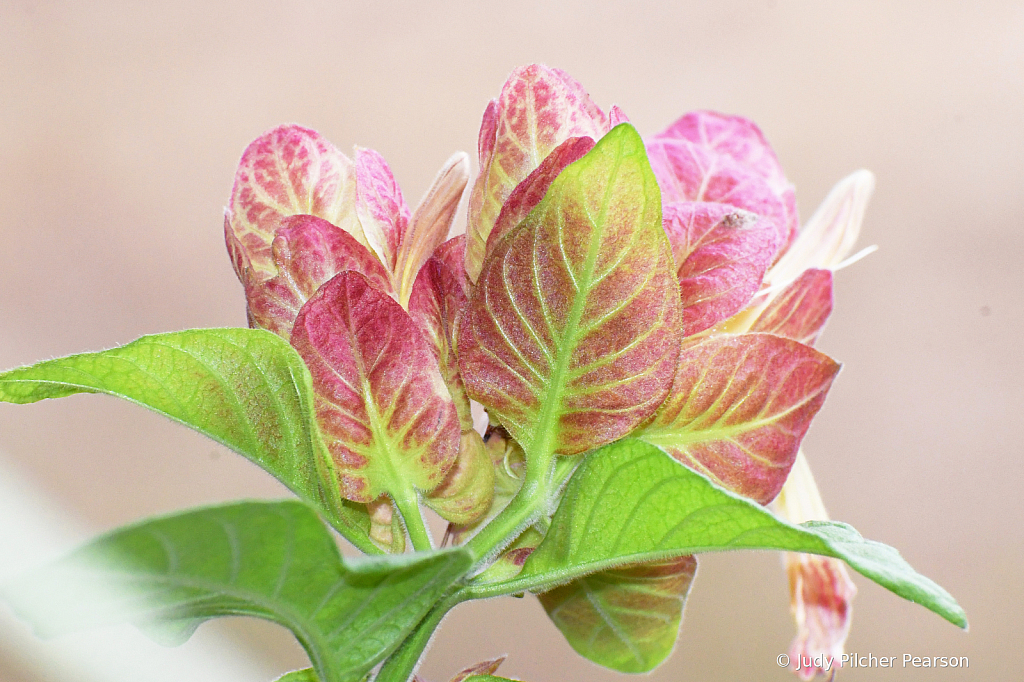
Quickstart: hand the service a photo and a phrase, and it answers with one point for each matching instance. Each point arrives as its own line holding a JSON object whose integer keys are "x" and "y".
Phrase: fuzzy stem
{"x": 544, "y": 477}
{"x": 408, "y": 505}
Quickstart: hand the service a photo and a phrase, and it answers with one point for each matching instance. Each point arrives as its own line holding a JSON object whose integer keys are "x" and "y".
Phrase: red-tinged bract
{"x": 530, "y": 191}
{"x": 307, "y": 251}
{"x": 722, "y": 255}
{"x": 739, "y": 407}
{"x": 538, "y": 109}
{"x": 380, "y": 206}
{"x": 571, "y": 335}
{"x": 689, "y": 172}
{"x": 287, "y": 171}
{"x": 741, "y": 140}
{"x": 800, "y": 310}
{"x": 437, "y": 299}
{"x": 385, "y": 412}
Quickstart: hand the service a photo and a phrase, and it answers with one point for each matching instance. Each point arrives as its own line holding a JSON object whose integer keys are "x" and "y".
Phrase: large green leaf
{"x": 571, "y": 335}
{"x": 271, "y": 560}
{"x": 245, "y": 388}
{"x": 624, "y": 618}
{"x": 630, "y": 502}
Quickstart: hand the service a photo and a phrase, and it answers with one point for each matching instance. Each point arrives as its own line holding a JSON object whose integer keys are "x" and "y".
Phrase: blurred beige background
{"x": 120, "y": 127}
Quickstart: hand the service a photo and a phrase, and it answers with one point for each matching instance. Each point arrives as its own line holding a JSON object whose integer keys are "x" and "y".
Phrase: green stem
{"x": 543, "y": 478}
{"x": 400, "y": 665}
{"x": 409, "y": 506}
{"x": 523, "y": 508}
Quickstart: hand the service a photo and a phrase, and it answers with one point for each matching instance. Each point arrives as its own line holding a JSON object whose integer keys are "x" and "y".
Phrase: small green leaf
{"x": 304, "y": 675}
{"x": 627, "y": 618}
{"x": 630, "y": 502}
{"x": 245, "y": 388}
{"x": 270, "y": 560}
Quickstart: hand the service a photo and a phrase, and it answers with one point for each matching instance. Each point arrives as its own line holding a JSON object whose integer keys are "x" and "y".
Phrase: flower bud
{"x": 386, "y": 528}
{"x": 467, "y": 491}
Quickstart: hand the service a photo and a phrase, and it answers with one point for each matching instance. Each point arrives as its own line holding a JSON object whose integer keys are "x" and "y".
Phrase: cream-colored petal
{"x": 430, "y": 222}
{"x": 829, "y": 236}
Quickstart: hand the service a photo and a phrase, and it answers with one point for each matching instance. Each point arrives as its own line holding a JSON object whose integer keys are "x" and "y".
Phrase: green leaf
{"x": 571, "y": 335}
{"x": 245, "y": 388}
{"x": 630, "y": 502}
{"x": 270, "y": 560}
{"x": 624, "y": 618}
{"x": 304, "y": 675}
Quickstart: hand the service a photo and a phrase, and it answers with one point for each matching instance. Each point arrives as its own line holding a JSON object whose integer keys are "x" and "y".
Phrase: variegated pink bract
{"x": 538, "y": 109}
{"x": 307, "y": 252}
{"x": 380, "y": 206}
{"x": 571, "y": 335}
{"x": 687, "y": 172}
{"x": 291, "y": 171}
{"x": 437, "y": 299}
{"x": 800, "y": 310}
{"x": 740, "y": 139}
{"x": 286, "y": 171}
{"x": 530, "y": 191}
{"x": 739, "y": 407}
{"x": 722, "y": 255}
{"x": 387, "y": 418}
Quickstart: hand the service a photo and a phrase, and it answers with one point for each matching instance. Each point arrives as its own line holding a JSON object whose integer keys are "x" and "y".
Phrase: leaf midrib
{"x": 551, "y": 410}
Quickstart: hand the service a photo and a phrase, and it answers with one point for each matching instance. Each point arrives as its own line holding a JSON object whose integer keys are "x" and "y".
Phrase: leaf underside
{"x": 270, "y": 560}
{"x": 624, "y": 618}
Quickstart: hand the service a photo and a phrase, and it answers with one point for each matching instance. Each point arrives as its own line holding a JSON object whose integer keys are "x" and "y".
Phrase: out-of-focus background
{"x": 120, "y": 128}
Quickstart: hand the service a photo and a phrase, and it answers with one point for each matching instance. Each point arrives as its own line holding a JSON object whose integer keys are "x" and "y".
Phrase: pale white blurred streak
{"x": 35, "y": 530}
{"x": 826, "y": 240}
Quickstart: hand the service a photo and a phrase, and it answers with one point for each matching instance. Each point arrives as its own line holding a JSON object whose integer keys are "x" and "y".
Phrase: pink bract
{"x": 307, "y": 252}
{"x": 739, "y": 407}
{"x": 722, "y": 255}
{"x": 538, "y": 109}
{"x": 380, "y": 399}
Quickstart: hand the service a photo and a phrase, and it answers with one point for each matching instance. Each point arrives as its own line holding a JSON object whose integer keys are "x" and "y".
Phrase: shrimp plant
{"x": 609, "y": 373}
